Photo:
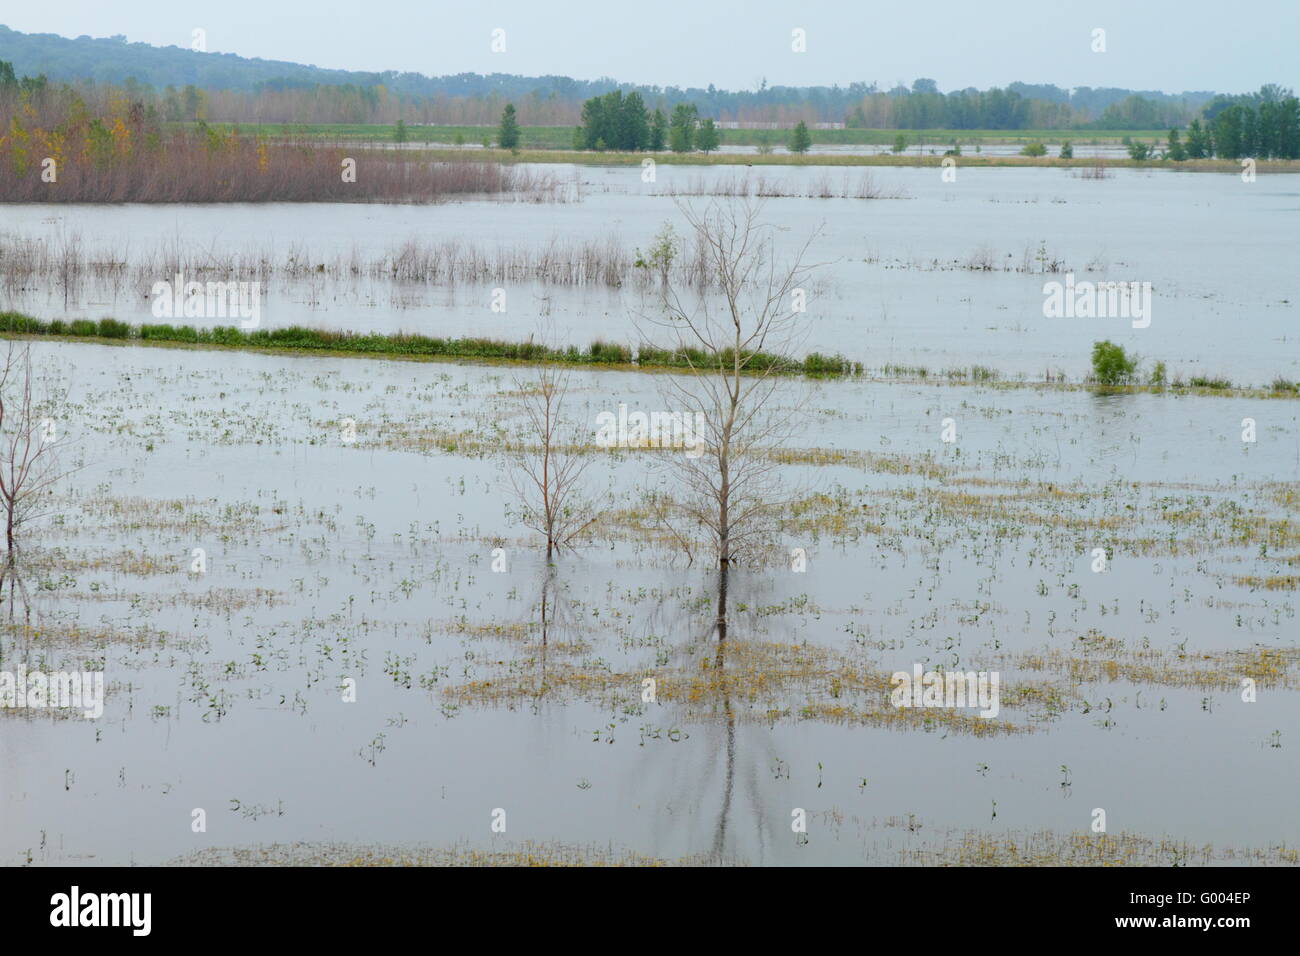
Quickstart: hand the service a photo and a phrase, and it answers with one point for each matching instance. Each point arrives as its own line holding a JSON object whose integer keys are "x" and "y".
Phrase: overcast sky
{"x": 1170, "y": 45}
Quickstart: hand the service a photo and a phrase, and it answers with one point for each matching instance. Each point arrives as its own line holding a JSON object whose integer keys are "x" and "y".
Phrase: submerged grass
{"x": 966, "y": 848}
{"x": 1095, "y": 658}
{"x": 527, "y": 853}
{"x": 1050, "y": 848}
{"x": 751, "y": 680}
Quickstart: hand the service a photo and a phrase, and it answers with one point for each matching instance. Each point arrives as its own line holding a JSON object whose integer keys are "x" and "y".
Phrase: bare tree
{"x": 735, "y": 332}
{"x": 28, "y": 439}
{"x": 547, "y": 473}
{"x": 11, "y": 580}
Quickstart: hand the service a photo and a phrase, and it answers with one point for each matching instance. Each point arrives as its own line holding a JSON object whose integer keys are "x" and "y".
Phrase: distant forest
{"x": 187, "y": 85}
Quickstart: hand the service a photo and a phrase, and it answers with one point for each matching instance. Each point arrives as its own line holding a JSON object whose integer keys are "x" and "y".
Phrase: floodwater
{"x": 1081, "y": 149}
{"x": 331, "y": 559}
{"x": 893, "y": 286}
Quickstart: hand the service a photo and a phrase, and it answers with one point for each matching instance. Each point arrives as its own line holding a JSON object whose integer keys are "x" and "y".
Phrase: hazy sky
{"x": 1170, "y": 45}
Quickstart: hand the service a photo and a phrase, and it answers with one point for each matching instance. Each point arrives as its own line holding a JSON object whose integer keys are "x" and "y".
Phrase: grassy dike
{"x": 403, "y": 345}
{"x": 299, "y": 340}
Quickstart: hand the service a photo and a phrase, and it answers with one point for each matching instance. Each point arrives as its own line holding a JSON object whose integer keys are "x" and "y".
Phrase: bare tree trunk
{"x": 548, "y": 493}
{"x": 545, "y": 479}
{"x": 733, "y": 329}
{"x": 720, "y": 617}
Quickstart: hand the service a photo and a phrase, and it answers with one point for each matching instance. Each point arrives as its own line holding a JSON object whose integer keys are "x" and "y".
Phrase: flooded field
{"x": 323, "y": 622}
{"x": 1085, "y": 148}
{"x": 486, "y": 681}
{"x": 1081, "y": 149}
{"x": 931, "y": 275}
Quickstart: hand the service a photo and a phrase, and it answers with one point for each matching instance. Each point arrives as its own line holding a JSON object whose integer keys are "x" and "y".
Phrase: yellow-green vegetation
{"x": 1271, "y": 582}
{"x": 82, "y": 638}
{"x": 1134, "y": 518}
{"x": 1047, "y": 848}
{"x": 526, "y": 853}
{"x": 186, "y": 516}
{"x": 746, "y": 679}
{"x": 1094, "y": 657}
{"x": 139, "y": 564}
{"x": 936, "y": 498}
{"x": 951, "y": 848}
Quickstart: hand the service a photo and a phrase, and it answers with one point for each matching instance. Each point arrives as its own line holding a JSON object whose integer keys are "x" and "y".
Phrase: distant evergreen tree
{"x": 1175, "y": 149}
{"x": 800, "y": 140}
{"x": 399, "y": 134}
{"x": 1249, "y": 145}
{"x": 658, "y": 131}
{"x": 1198, "y": 141}
{"x": 1287, "y": 124}
{"x": 681, "y": 130}
{"x": 593, "y": 122}
{"x": 1266, "y": 130}
{"x": 508, "y": 134}
{"x": 706, "y": 137}
{"x": 1227, "y": 133}
{"x": 633, "y": 127}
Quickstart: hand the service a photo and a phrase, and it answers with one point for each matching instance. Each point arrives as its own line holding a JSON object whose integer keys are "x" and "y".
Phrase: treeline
{"x": 57, "y": 146}
{"x": 1267, "y": 128}
{"x": 1264, "y": 125}
{"x": 238, "y": 89}
{"x": 353, "y": 104}
{"x": 897, "y": 109}
{"x": 924, "y": 107}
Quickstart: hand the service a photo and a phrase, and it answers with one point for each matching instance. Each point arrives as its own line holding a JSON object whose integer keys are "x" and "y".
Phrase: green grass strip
{"x": 299, "y": 338}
